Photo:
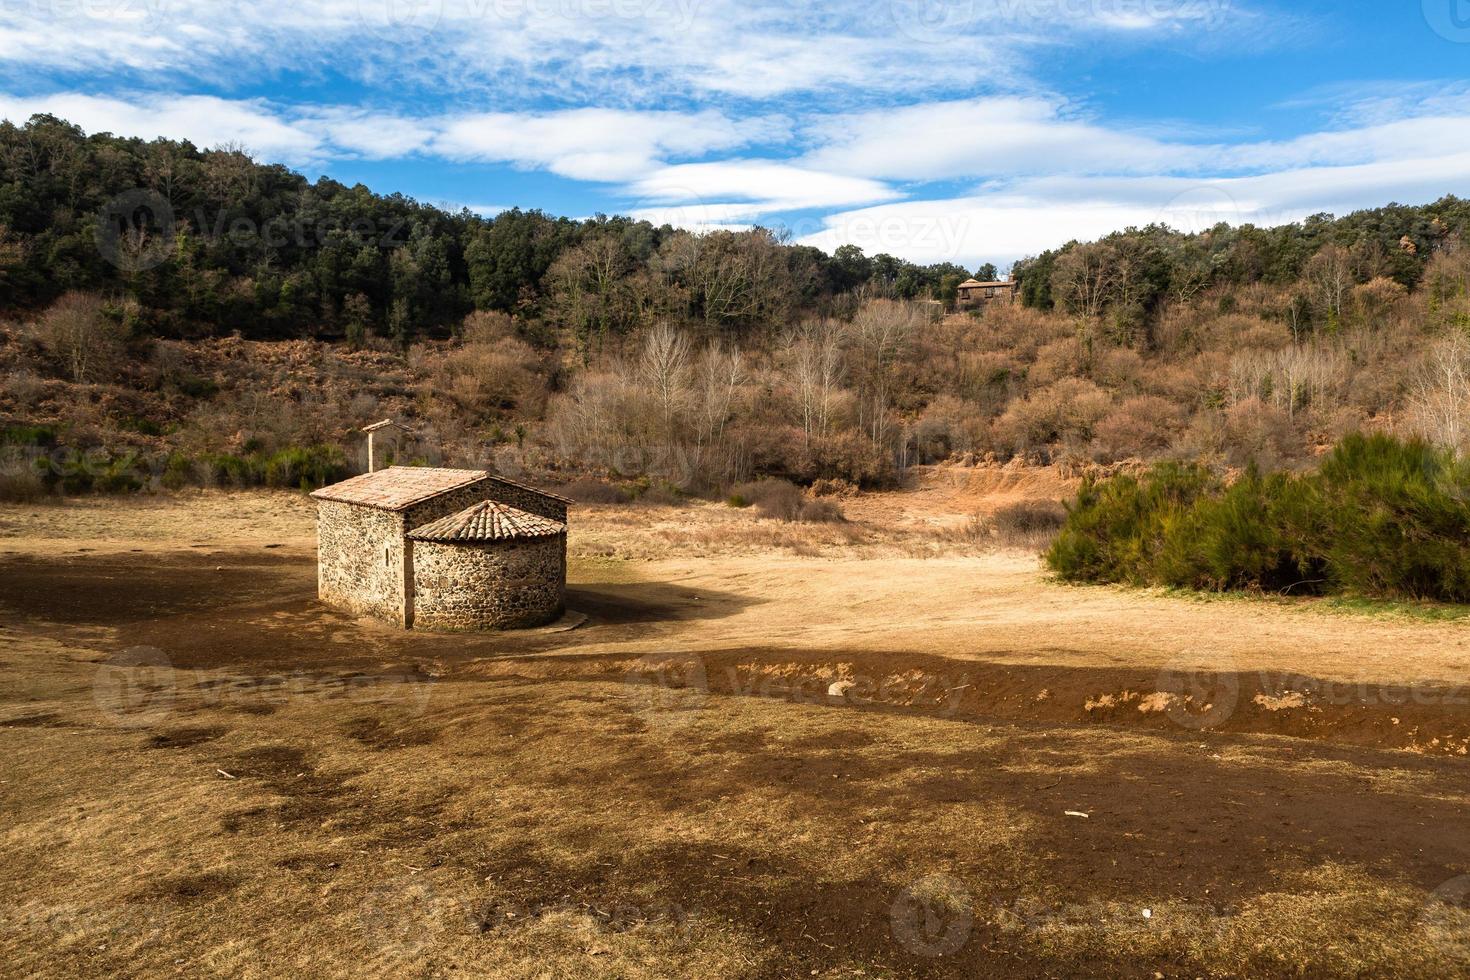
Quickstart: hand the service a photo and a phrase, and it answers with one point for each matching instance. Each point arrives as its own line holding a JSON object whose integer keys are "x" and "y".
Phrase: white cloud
{"x": 205, "y": 120}
{"x": 981, "y": 137}
{"x": 582, "y": 144}
{"x": 757, "y": 187}
{"x": 373, "y": 135}
{"x": 1030, "y": 215}
{"x": 592, "y": 144}
{"x": 1008, "y": 137}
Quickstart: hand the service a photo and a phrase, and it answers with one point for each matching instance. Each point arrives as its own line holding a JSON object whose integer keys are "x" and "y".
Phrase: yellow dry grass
{"x": 669, "y": 791}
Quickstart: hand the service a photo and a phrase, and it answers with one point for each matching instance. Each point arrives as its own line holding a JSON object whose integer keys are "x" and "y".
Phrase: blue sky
{"x": 938, "y": 130}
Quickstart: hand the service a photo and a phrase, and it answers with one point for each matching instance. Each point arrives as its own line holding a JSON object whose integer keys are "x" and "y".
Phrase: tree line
{"x": 212, "y": 242}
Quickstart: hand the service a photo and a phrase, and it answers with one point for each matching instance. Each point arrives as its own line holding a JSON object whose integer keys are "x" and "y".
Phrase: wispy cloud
{"x": 606, "y": 145}
{"x": 633, "y": 50}
{"x": 748, "y": 189}
{"x": 595, "y": 144}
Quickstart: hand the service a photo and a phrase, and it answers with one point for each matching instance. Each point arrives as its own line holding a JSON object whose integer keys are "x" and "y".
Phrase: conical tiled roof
{"x": 487, "y": 521}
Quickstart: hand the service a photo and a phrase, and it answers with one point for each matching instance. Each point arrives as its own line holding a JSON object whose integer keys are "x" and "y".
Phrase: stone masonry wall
{"x": 489, "y": 585}
{"x": 447, "y": 503}
{"x": 531, "y": 503}
{"x": 365, "y": 564}
{"x": 360, "y": 559}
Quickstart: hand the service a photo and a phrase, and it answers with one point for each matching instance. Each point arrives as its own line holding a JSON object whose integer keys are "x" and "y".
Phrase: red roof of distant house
{"x": 488, "y": 521}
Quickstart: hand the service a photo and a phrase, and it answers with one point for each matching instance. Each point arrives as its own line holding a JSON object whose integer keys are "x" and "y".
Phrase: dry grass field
{"x": 885, "y": 748}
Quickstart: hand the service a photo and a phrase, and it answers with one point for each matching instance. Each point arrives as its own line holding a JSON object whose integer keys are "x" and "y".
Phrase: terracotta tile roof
{"x": 973, "y": 283}
{"x": 398, "y": 487}
{"x": 487, "y": 521}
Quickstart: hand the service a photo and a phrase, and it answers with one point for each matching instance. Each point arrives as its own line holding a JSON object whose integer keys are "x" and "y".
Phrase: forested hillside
{"x": 210, "y": 242}
{"x": 196, "y": 314}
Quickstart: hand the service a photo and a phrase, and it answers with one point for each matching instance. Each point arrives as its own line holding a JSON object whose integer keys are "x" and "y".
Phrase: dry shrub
{"x": 781, "y": 500}
{"x": 836, "y": 487}
{"x": 1120, "y": 369}
{"x": 487, "y": 327}
{"x": 1059, "y": 359}
{"x": 1182, "y": 384}
{"x": 1023, "y": 331}
{"x": 948, "y": 425}
{"x": 493, "y": 370}
{"x": 1256, "y": 432}
{"x": 1236, "y": 331}
{"x": 1027, "y": 517}
{"x": 1180, "y": 329}
{"x": 1139, "y": 426}
{"x": 588, "y": 490}
{"x": 84, "y": 336}
{"x": 822, "y": 511}
{"x": 990, "y": 379}
{"x": 1063, "y": 412}
{"x": 19, "y": 482}
{"x": 1375, "y": 299}
{"x": 20, "y": 390}
{"x": 1023, "y": 524}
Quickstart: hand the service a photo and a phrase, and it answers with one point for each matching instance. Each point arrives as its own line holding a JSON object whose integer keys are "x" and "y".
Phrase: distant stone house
{"x": 442, "y": 549}
{"x": 974, "y": 294}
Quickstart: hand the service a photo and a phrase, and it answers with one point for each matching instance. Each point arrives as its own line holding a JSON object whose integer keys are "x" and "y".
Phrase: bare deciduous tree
{"x": 79, "y": 332}
{"x": 718, "y": 375}
{"x": 1084, "y": 278}
{"x": 589, "y": 291}
{"x": 1439, "y": 407}
{"x": 879, "y": 334}
{"x": 1329, "y": 279}
{"x": 814, "y": 352}
{"x": 663, "y": 365}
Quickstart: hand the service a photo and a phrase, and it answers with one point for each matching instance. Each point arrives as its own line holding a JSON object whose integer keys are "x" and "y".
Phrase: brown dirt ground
{"x": 209, "y": 774}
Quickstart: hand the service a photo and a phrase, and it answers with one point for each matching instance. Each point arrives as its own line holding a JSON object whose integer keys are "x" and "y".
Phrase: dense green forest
{"x": 209, "y": 242}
